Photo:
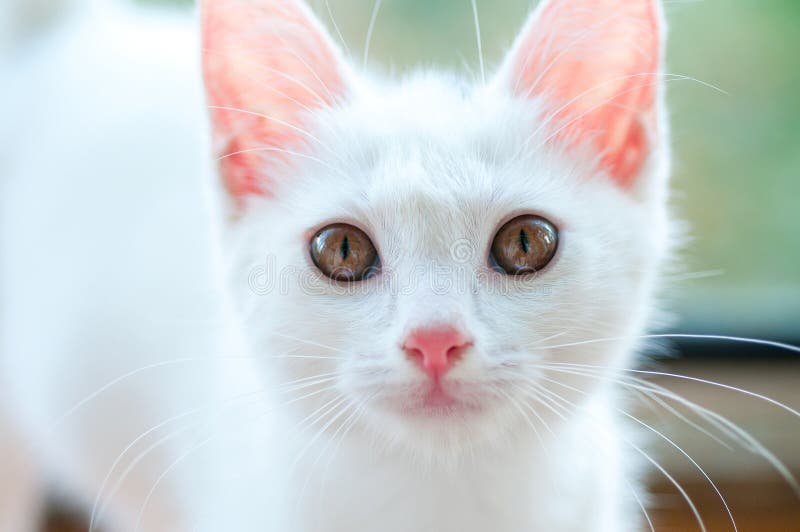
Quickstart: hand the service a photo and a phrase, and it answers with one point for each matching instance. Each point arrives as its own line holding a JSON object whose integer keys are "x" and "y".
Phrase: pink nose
{"x": 436, "y": 349}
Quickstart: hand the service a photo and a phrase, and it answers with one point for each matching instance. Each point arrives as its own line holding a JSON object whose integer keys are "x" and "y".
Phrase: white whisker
{"x": 260, "y": 66}
{"x": 368, "y": 40}
{"x": 478, "y": 38}
{"x": 163, "y": 364}
{"x": 674, "y": 482}
{"x": 284, "y": 123}
{"x": 755, "y": 395}
{"x": 656, "y": 464}
{"x": 669, "y": 441}
{"x": 281, "y": 150}
{"x": 336, "y": 27}
{"x": 719, "y": 421}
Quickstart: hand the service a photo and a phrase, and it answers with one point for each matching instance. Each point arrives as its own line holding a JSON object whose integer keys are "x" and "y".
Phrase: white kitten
{"x": 411, "y": 268}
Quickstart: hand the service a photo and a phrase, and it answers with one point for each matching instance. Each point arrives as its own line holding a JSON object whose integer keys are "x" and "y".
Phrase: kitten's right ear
{"x": 597, "y": 65}
{"x": 268, "y": 64}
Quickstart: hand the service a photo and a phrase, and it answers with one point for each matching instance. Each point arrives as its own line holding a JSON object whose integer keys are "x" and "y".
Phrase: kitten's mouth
{"x": 437, "y": 401}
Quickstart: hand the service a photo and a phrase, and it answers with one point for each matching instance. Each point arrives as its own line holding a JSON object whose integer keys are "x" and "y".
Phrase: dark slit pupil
{"x": 523, "y": 241}
{"x": 345, "y": 248}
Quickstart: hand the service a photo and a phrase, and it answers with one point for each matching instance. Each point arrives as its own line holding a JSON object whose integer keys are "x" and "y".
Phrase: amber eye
{"x": 524, "y": 245}
{"x": 344, "y": 253}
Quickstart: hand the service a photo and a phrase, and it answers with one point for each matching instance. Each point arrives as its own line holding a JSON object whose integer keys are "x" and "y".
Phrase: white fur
{"x": 109, "y": 266}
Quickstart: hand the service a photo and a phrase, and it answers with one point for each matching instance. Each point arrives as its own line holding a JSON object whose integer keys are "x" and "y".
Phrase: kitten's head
{"x": 432, "y": 245}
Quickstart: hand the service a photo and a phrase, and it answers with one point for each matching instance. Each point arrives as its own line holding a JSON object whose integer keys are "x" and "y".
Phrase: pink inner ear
{"x": 597, "y": 62}
{"x": 268, "y": 64}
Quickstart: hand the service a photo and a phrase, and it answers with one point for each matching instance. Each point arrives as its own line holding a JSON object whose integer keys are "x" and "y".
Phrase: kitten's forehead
{"x": 434, "y": 115}
{"x": 432, "y": 141}
{"x": 422, "y": 103}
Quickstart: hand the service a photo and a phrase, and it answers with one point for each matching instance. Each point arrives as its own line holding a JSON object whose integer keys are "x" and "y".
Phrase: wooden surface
{"x": 61, "y": 520}
{"x": 756, "y": 506}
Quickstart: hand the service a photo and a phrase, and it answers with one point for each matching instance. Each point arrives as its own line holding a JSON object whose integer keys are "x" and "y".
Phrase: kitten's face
{"x": 428, "y": 173}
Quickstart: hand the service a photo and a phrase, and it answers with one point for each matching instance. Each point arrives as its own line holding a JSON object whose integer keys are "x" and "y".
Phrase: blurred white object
{"x": 102, "y": 165}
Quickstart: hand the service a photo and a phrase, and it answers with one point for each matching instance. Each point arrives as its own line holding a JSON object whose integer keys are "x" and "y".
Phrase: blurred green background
{"x": 737, "y": 155}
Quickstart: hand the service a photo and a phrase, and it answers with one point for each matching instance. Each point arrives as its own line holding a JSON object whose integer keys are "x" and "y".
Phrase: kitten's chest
{"x": 528, "y": 492}
{"x": 350, "y": 486}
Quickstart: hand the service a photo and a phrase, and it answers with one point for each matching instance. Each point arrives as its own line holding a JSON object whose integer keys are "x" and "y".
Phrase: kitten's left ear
{"x": 597, "y": 65}
{"x": 268, "y": 65}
